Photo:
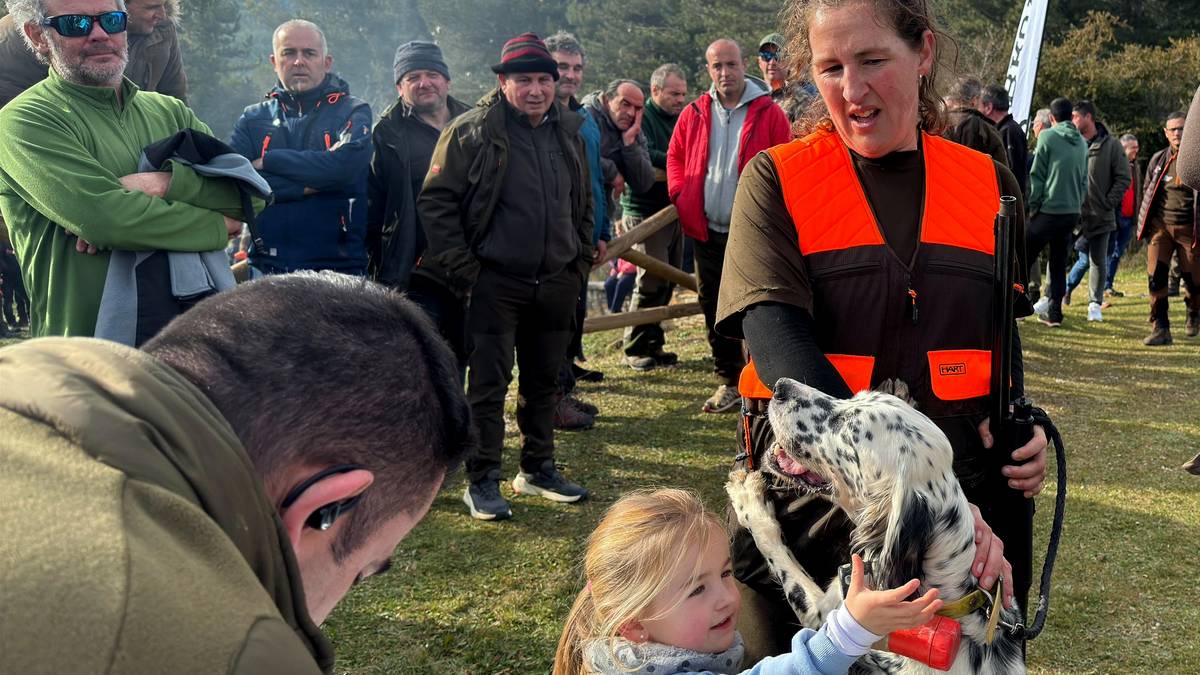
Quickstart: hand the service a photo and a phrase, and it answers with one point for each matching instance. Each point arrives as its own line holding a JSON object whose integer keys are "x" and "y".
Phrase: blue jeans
{"x": 1117, "y": 242}
{"x": 616, "y": 288}
{"x": 1093, "y": 254}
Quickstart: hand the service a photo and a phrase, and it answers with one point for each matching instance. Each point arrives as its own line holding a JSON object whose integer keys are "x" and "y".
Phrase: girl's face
{"x": 868, "y": 77}
{"x": 705, "y": 619}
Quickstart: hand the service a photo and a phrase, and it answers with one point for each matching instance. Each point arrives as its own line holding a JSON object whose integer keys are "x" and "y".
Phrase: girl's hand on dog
{"x": 882, "y": 612}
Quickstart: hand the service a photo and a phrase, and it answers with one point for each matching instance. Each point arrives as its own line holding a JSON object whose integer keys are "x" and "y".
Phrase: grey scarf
{"x": 618, "y": 656}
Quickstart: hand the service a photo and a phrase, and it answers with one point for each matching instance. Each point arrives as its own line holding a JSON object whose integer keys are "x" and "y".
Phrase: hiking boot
{"x": 1094, "y": 313}
{"x": 584, "y": 375}
{"x": 569, "y": 418}
{"x": 1193, "y": 324}
{"x": 548, "y": 482}
{"x": 483, "y": 498}
{"x": 581, "y": 405}
{"x": 1160, "y": 336}
{"x": 724, "y": 399}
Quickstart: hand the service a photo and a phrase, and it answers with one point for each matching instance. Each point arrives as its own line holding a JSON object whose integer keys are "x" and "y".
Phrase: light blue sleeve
{"x": 812, "y": 654}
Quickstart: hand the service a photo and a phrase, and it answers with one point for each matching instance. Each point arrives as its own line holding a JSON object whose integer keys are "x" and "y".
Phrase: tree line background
{"x": 1136, "y": 60}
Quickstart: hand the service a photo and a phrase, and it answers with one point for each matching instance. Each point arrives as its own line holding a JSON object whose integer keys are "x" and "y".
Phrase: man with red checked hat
{"x": 507, "y": 211}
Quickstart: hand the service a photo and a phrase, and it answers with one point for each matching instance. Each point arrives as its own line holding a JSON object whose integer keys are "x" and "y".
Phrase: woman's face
{"x": 868, "y": 77}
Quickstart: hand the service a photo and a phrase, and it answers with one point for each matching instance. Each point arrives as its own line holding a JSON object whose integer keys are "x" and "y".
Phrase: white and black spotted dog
{"x": 889, "y": 467}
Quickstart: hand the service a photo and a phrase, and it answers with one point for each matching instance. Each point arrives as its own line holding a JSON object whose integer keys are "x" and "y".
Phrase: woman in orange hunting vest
{"x": 862, "y": 252}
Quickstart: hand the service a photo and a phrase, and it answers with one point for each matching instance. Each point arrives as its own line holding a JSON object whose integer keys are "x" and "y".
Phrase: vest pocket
{"x": 855, "y": 370}
{"x": 958, "y": 269}
{"x": 960, "y": 374}
{"x": 844, "y": 270}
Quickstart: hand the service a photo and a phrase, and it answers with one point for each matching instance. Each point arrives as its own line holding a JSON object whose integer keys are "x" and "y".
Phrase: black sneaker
{"x": 484, "y": 500}
{"x": 665, "y": 358}
{"x": 548, "y": 482}
{"x": 584, "y": 375}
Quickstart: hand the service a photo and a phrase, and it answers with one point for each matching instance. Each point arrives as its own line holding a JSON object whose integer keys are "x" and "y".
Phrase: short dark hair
{"x": 966, "y": 89}
{"x": 318, "y": 369}
{"x": 996, "y": 96}
{"x": 1060, "y": 109}
{"x": 1177, "y": 115}
{"x": 1085, "y": 107}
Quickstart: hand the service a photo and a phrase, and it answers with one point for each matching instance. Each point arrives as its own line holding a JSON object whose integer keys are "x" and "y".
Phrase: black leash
{"x": 1019, "y": 630}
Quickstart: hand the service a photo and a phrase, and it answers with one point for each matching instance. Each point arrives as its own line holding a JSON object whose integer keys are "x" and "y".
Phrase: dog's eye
{"x": 697, "y": 591}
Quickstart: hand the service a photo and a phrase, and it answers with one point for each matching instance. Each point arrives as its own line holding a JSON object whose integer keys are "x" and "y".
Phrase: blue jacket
{"x": 591, "y": 140}
{"x": 293, "y": 134}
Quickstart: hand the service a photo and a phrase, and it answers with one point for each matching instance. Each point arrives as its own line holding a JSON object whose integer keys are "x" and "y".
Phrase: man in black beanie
{"x": 404, "y": 139}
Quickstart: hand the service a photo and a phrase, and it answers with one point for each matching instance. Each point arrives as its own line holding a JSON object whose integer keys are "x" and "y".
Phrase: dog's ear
{"x": 906, "y": 541}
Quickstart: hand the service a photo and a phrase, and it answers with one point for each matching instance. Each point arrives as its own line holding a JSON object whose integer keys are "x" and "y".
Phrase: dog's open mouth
{"x": 797, "y": 471}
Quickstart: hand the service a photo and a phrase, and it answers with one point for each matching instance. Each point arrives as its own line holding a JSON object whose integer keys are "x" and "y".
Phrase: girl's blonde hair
{"x": 630, "y": 559}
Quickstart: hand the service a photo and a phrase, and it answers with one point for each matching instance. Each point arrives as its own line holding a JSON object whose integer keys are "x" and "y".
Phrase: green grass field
{"x": 472, "y": 597}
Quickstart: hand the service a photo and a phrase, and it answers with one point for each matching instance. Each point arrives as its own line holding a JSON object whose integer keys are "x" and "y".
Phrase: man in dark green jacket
{"x": 668, "y": 94}
{"x": 507, "y": 211}
{"x": 202, "y": 505}
{"x": 1108, "y": 179}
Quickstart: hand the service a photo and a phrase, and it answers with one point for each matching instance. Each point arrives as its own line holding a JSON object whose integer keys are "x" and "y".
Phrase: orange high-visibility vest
{"x": 862, "y": 324}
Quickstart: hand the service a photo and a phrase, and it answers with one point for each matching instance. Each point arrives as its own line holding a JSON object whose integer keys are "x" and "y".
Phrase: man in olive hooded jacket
{"x": 201, "y": 506}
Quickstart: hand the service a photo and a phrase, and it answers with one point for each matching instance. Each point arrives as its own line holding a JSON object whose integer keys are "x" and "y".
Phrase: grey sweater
{"x": 724, "y": 137}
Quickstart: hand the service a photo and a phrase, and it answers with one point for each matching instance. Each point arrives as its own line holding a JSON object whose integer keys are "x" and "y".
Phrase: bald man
{"x": 311, "y": 140}
{"x": 707, "y": 152}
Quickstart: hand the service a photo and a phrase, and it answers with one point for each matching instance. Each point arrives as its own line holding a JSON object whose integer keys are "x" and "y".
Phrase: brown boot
{"x": 1160, "y": 336}
{"x": 1193, "y": 323}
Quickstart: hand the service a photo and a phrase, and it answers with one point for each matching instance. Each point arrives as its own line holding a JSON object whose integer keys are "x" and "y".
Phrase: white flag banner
{"x": 1022, "y": 66}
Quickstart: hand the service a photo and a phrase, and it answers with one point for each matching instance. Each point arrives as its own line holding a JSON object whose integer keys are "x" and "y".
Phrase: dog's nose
{"x": 785, "y": 389}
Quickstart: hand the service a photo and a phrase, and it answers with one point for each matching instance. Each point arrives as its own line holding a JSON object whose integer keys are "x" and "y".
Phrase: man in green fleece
{"x": 200, "y": 506}
{"x": 69, "y": 151}
{"x": 1057, "y": 187}
{"x": 668, "y": 94}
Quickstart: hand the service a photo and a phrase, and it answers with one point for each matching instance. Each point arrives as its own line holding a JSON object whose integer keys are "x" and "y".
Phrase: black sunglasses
{"x": 768, "y": 56}
{"x": 80, "y": 25}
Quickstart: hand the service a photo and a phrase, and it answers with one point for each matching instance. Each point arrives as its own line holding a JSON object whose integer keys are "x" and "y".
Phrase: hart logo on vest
{"x": 953, "y": 369}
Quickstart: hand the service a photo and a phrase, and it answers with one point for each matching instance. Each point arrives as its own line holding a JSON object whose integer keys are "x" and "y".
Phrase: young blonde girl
{"x": 660, "y": 599}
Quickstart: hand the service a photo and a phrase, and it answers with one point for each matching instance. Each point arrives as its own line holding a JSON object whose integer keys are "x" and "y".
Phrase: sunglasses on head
{"x": 768, "y": 56}
{"x": 80, "y": 25}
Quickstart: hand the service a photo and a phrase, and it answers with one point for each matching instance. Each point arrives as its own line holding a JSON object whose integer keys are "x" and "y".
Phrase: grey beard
{"x": 88, "y": 76}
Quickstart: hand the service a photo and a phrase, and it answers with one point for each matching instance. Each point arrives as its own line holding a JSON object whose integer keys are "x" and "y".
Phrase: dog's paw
{"x": 746, "y": 490}
{"x": 896, "y": 387}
